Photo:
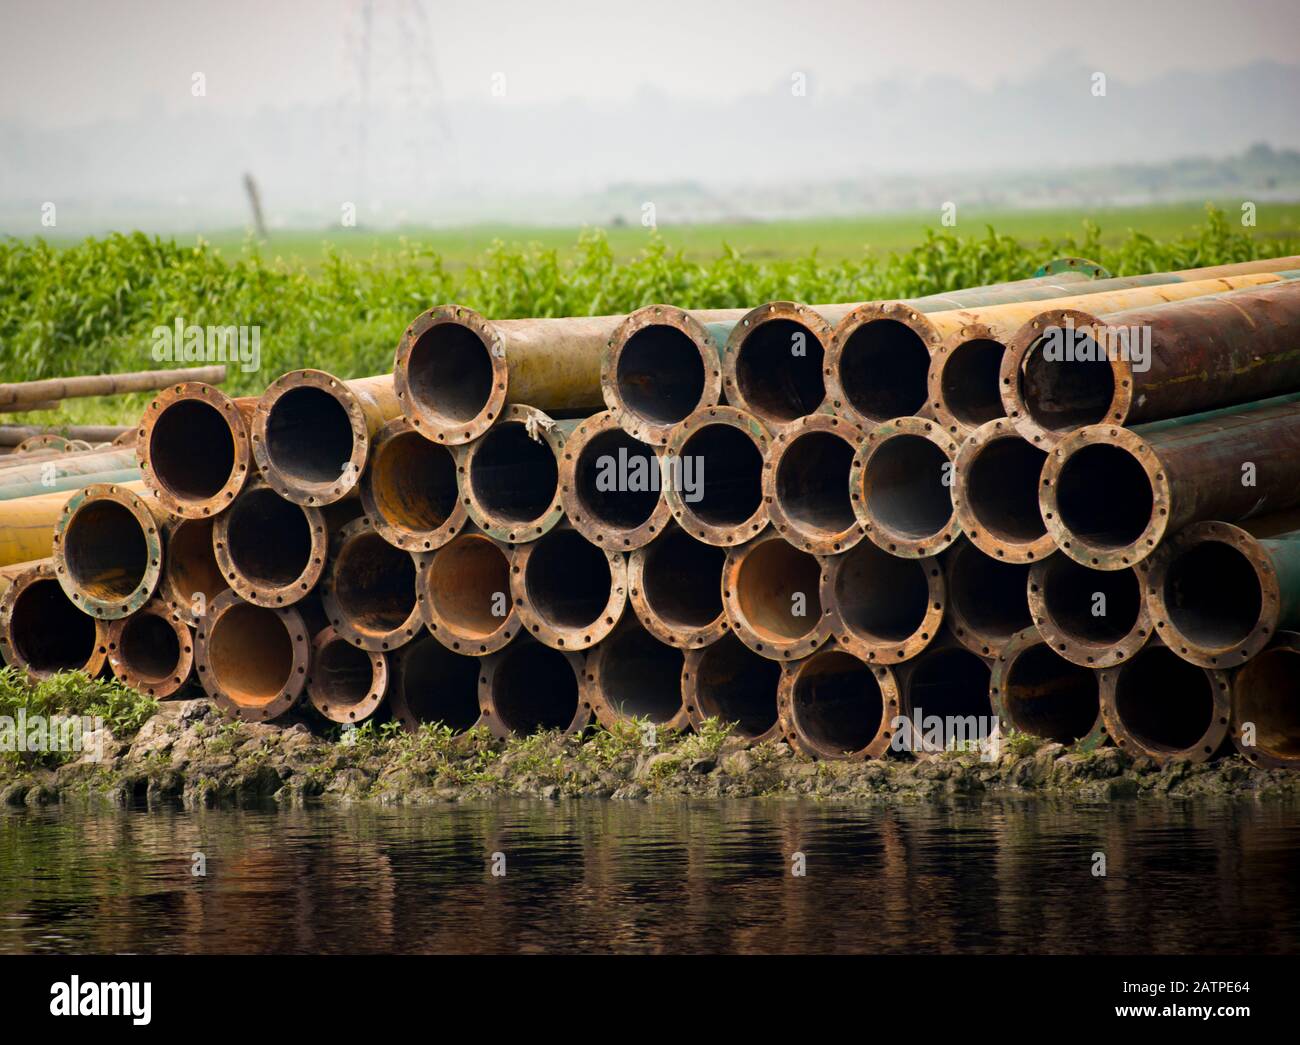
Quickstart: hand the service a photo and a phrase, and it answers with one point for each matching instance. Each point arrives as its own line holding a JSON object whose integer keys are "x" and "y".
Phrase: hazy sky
{"x": 75, "y": 62}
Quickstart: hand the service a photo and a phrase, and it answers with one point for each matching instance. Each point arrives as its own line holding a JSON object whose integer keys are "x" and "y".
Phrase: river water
{"x": 989, "y": 875}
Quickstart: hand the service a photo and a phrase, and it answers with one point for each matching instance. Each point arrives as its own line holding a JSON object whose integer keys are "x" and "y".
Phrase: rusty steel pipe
{"x": 1109, "y": 495}
{"x": 900, "y": 484}
{"x": 568, "y": 593}
{"x": 1206, "y": 352}
{"x": 1218, "y": 594}
{"x": 344, "y": 682}
{"x": 772, "y": 594}
{"x": 463, "y": 593}
{"x": 717, "y": 493}
{"x": 311, "y": 432}
{"x": 986, "y": 601}
{"x": 510, "y": 477}
{"x": 42, "y": 632}
{"x": 152, "y": 650}
{"x": 995, "y": 493}
{"x": 806, "y": 484}
{"x": 1265, "y": 719}
{"x": 729, "y": 682}
{"x": 108, "y": 548}
{"x": 252, "y": 660}
{"x": 1160, "y": 706}
{"x": 772, "y": 363}
{"x": 1090, "y": 617}
{"x": 409, "y": 489}
{"x": 68, "y": 471}
{"x": 529, "y": 687}
{"x": 1037, "y": 691}
{"x": 429, "y": 683}
{"x": 631, "y": 675}
{"x": 675, "y": 587}
{"x": 834, "y": 705}
{"x": 270, "y": 550}
{"x": 944, "y": 694}
{"x": 882, "y": 608}
{"x": 191, "y": 577}
{"x": 612, "y": 485}
{"x": 368, "y": 589}
{"x": 192, "y": 444}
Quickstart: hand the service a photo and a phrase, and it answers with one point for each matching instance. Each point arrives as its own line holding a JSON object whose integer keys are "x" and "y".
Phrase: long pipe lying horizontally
{"x": 632, "y": 675}
{"x": 41, "y": 631}
{"x": 834, "y": 705}
{"x": 431, "y": 684}
{"x": 1265, "y": 720}
{"x": 1109, "y": 495}
{"x": 252, "y": 660}
{"x": 152, "y": 650}
{"x": 1037, "y": 691}
{"x": 29, "y": 393}
{"x": 66, "y": 472}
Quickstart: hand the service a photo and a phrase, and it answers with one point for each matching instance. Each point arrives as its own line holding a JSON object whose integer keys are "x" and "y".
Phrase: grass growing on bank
{"x": 92, "y": 307}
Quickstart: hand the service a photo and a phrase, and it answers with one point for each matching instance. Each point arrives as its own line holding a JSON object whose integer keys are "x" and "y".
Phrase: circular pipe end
{"x": 963, "y": 381}
{"x": 882, "y": 608}
{"x": 835, "y": 706}
{"x": 728, "y": 682}
{"x": 252, "y": 660}
{"x": 108, "y": 550}
{"x": 717, "y": 490}
{"x": 152, "y": 650}
{"x": 463, "y": 593}
{"x": 568, "y": 592}
{"x": 1037, "y": 691}
{"x": 346, "y": 683}
{"x": 509, "y": 479}
{"x": 675, "y": 587}
{"x": 773, "y": 363}
{"x": 43, "y": 632}
{"x": 995, "y": 484}
{"x": 194, "y": 451}
{"x": 368, "y": 590}
{"x": 632, "y": 675}
{"x": 269, "y": 549}
{"x": 878, "y": 363}
{"x": 529, "y": 687}
{"x": 806, "y": 484}
{"x": 409, "y": 489}
{"x": 772, "y": 594}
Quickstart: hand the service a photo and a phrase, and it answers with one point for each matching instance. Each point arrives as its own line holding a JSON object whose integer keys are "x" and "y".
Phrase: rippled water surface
{"x": 599, "y": 876}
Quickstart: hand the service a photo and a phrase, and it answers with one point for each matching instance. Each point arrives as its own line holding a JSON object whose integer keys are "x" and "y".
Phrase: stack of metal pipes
{"x": 815, "y": 522}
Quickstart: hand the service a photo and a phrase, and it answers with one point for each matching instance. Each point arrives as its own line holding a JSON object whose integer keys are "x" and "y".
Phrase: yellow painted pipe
{"x": 27, "y": 524}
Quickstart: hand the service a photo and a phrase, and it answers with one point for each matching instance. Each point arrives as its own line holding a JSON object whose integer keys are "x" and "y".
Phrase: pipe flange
{"x": 195, "y": 392}
{"x": 1154, "y": 573}
{"x": 1073, "y": 649}
{"x": 815, "y": 539}
{"x": 396, "y": 532}
{"x": 563, "y": 637}
{"x": 893, "y": 540}
{"x": 1005, "y": 547}
{"x": 399, "y": 663}
{"x": 598, "y": 532}
{"x": 672, "y": 634}
{"x": 232, "y": 702}
{"x": 772, "y": 311}
{"x": 159, "y": 686}
{"x": 490, "y": 715}
{"x": 168, "y": 590}
{"x": 966, "y": 631}
{"x": 606, "y": 714}
{"x": 433, "y": 425}
{"x": 1080, "y": 549}
{"x": 114, "y": 606}
{"x": 541, "y": 427}
{"x": 796, "y": 731}
{"x": 366, "y": 638}
{"x": 11, "y": 652}
{"x": 941, "y": 356}
{"x": 722, "y": 535}
{"x": 759, "y": 638}
{"x": 700, "y": 707}
{"x": 448, "y": 632}
{"x": 304, "y": 491}
{"x": 1021, "y": 643}
{"x": 896, "y": 311}
{"x": 875, "y": 649}
{"x": 46, "y": 441}
{"x": 256, "y": 592}
{"x": 633, "y": 423}
{"x": 360, "y": 710}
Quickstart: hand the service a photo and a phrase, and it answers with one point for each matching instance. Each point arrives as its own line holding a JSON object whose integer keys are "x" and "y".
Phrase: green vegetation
{"x": 67, "y": 694}
{"x": 92, "y": 307}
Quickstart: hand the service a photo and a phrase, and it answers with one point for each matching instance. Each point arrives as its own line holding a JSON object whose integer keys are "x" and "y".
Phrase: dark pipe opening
{"x": 725, "y": 467}
{"x": 191, "y": 565}
{"x": 191, "y": 450}
{"x": 777, "y": 587}
{"x": 812, "y": 482}
{"x": 734, "y": 684}
{"x": 969, "y": 385}
{"x": 1103, "y": 496}
{"x": 439, "y": 685}
{"x": 150, "y": 647}
{"x": 884, "y": 368}
{"x": 1166, "y": 703}
{"x": 105, "y": 550}
{"x": 1213, "y": 595}
{"x": 1268, "y": 694}
{"x": 948, "y": 688}
{"x": 641, "y": 676}
{"x": 342, "y": 676}
{"x": 268, "y": 538}
{"x": 374, "y": 584}
{"x": 449, "y": 373}
{"x": 991, "y": 595}
{"x": 1049, "y": 697}
{"x": 468, "y": 580}
{"x": 250, "y": 653}
{"x": 1002, "y": 489}
{"x": 904, "y": 486}
{"x": 513, "y": 475}
{"x": 309, "y": 435}
{"x": 568, "y": 579}
{"x": 1093, "y": 606}
{"x": 48, "y": 631}
{"x": 837, "y": 702}
{"x": 1062, "y": 394}
{"x": 682, "y": 580}
{"x": 413, "y": 482}
{"x": 779, "y": 370}
{"x": 660, "y": 375}
{"x": 617, "y": 479}
{"x": 880, "y": 595}
{"x": 534, "y": 689}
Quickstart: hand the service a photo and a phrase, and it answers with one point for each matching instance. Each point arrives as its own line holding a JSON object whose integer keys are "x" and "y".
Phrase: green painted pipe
{"x": 13, "y": 491}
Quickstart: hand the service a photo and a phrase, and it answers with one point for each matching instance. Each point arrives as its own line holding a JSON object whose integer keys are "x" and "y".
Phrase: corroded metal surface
{"x": 1037, "y": 691}
{"x": 772, "y": 365}
{"x": 631, "y": 675}
{"x": 882, "y": 608}
{"x": 42, "y": 632}
{"x": 772, "y": 594}
{"x": 1090, "y": 617}
{"x": 409, "y": 489}
{"x": 986, "y": 599}
{"x": 152, "y": 650}
{"x": 345, "y": 683}
{"x": 368, "y": 588}
{"x": 463, "y": 593}
{"x": 995, "y": 493}
{"x": 723, "y": 449}
{"x": 430, "y": 683}
{"x": 806, "y": 483}
{"x": 528, "y": 686}
{"x": 947, "y": 685}
{"x": 270, "y": 550}
{"x": 729, "y": 682}
{"x": 1265, "y": 719}
{"x": 835, "y": 706}
{"x": 568, "y": 593}
{"x": 675, "y": 587}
